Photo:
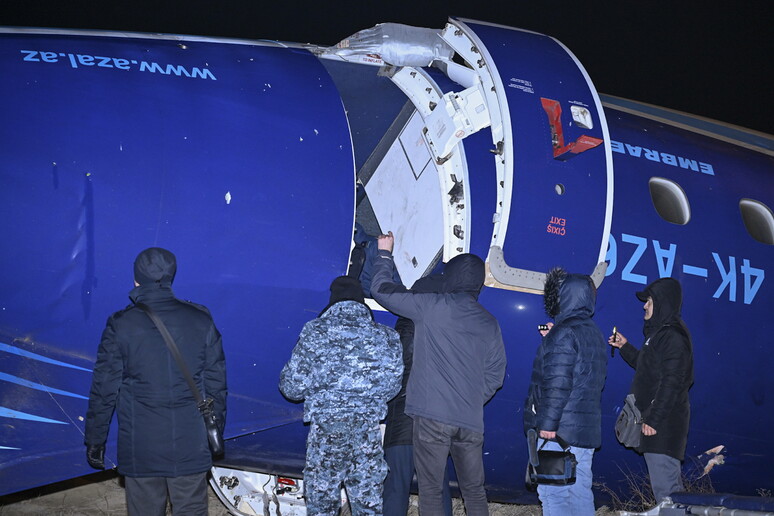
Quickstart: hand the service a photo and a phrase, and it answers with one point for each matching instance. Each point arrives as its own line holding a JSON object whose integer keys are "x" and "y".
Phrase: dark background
{"x": 707, "y": 58}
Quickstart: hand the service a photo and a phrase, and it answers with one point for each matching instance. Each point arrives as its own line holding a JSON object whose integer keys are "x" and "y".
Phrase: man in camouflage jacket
{"x": 345, "y": 367}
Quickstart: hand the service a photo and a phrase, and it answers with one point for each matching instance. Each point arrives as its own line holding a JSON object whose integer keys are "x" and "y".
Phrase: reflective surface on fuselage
{"x": 237, "y": 158}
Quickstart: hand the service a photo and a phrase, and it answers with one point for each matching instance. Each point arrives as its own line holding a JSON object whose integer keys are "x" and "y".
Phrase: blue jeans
{"x": 573, "y": 500}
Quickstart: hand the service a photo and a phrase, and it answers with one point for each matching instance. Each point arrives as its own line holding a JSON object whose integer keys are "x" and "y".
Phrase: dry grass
{"x": 637, "y": 496}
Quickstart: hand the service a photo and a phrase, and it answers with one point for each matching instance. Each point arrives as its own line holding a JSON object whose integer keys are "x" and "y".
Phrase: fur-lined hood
{"x": 566, "y": 295}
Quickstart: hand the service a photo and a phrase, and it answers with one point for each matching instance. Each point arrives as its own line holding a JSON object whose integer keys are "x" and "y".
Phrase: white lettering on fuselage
{"x": 673, "y": 160}
{"x": 86, "y": 60}
{"x": 666, "y": 257}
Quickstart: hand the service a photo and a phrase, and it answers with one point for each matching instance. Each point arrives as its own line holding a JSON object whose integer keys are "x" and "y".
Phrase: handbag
{"x": 628, "y": 426}
{"x": 211, "y": 424}
{"x": 549, "y": 467}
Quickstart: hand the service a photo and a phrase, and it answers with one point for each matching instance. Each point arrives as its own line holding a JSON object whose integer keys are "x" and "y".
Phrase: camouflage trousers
{"x": 348, "y": 453}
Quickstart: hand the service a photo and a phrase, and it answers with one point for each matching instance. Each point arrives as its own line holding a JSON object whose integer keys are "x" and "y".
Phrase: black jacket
{"x": 570, "y": 368}
{"x": 664, "y": 372}
{"x": 160, "y": 430}
{"x": 398, "y": 426}
{"x": 459, "y": 355}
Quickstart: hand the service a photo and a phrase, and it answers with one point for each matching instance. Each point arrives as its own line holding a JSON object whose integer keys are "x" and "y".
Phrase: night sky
{"x": 706, "y": 58}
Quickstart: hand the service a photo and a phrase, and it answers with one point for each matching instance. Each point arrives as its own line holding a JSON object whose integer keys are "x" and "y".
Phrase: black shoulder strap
{"x": 172, "y": 349}
{"x": 564, "y": 444}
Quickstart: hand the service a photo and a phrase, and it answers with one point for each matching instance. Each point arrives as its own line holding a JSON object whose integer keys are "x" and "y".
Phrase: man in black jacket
{"x": 459, "y": 363}
{"x": 565, "y": 391}
{"x": 663, "y": 375}
{"x": 162, "y": 442}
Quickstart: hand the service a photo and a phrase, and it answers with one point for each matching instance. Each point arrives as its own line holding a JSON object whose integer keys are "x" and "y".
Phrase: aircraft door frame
{"x": 463, "y": 39}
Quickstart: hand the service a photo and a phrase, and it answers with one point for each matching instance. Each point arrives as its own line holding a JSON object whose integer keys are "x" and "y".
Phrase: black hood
{"x": 433, "y": 283}
{"x": 155, "y": 266}
{"x": 566, "y": 295}
{"x": 667, "y": 303}
{"x": 464, "y": 273}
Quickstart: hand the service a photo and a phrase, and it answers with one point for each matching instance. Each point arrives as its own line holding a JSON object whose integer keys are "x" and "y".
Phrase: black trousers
{"x": 147, "y": 496}
{"x": 397, "y": 485}
{"x": 433, "y": 442}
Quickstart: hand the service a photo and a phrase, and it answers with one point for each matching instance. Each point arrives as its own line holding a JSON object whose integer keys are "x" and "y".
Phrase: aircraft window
{"x": 758, "y": 220}
{"x": 670, "y": 200}
{"x": 559, "y": 189}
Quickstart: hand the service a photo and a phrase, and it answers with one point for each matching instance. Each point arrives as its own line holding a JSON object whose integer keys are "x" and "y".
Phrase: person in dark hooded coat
{"x": 162, "y": 442}
{"x": 398, "y": 430}
{"x": 663, "y": 375}
{"x": 458, "y": 365}
{"x": 565, "y": 392}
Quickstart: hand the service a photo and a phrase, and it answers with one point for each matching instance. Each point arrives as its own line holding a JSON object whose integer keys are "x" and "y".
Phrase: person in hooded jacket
{"x": 345, "y": 367}
{"x": 458, "y": 364}
{"x": 663, "y": 375}
{"x": 162, "y": 442}
{"x": 565, "y": 392}
{"x": 398, "y": 431}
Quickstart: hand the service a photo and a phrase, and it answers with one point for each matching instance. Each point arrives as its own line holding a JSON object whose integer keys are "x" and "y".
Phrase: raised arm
{"x": 393, "y": 296}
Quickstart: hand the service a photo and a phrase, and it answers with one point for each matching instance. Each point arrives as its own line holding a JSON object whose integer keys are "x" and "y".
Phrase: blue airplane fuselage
{"x": 242, "y": 158}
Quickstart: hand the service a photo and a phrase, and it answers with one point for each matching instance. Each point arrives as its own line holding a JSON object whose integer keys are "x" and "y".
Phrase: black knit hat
{"x": 155, "y": 265}
{"x": 346, "y": 288}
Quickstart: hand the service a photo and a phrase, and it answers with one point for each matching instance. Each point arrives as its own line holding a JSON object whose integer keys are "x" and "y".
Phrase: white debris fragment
{"x": 300, "y": 139}
{"x": 80, "y": 418}
{"x": 316, "y": 132}
{"x": 717, "y": 460}
{"x": 714, "y": 461}
{"x": 228, "y": 197}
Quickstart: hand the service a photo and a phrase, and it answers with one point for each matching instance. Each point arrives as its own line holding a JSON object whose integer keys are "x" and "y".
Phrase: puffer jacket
{"x": 344, "y": 365}
{"x": 570, "y": 367}
{"x": 161, "y": 432}
{"x": 663, "y": 372}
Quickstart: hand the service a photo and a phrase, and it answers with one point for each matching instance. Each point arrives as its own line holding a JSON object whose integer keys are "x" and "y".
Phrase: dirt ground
{"x": 103, "y": 495}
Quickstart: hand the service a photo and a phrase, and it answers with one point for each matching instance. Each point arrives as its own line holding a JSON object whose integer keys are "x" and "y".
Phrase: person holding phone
{"x": 663, "y": 375}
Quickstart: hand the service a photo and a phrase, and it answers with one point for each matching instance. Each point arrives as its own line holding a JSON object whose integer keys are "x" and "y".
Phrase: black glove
{"x": 95, "y": 455}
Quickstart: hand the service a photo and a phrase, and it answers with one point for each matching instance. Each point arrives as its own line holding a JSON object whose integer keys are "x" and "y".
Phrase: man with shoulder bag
{"x": 146, "y": 354}
{"x": 564, "y": 400}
